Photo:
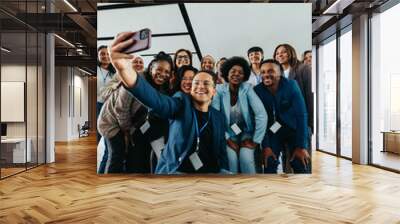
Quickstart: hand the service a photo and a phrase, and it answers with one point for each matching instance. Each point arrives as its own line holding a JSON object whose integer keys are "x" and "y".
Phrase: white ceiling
{"x": 221, "y": 29}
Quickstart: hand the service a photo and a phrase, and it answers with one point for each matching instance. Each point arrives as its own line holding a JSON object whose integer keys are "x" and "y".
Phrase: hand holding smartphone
{"x": 141, "y": 41}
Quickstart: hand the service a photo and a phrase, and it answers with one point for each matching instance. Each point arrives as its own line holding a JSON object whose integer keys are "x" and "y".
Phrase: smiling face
{"x": 236, "y": 75}
{"x": 282, "y": 55}
{"x": 207, "y": 64}
{"x": 186, "y": 83}
{"x": 138, "y": 64}
{"x": 160, "y": 72}
{"x": 103, "y": 56}
{"x": 203, "y": 88}
{"x": 255, "y": 57}
{"x": 182, "y": 58}
{"x": 270, "y": 74}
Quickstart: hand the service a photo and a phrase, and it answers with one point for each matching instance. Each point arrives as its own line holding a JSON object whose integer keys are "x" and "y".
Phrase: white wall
{"x": 221, "y": 29}
{"x": 70, "y": 84}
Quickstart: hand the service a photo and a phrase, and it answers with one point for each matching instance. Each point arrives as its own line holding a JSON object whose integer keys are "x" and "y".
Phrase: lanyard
{"x": 102, "y": 75}
{"x": 273, "y": 110}
{"x": 198, "y": 132}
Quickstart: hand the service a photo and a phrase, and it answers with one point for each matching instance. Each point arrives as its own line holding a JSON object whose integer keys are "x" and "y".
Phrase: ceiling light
{"x": 5, "y": 50}
{"x": 65, "y": 41}
{"x": 84, "y": 71}
{"x": 338, "y": 6}
{"x": 70, "y": 5}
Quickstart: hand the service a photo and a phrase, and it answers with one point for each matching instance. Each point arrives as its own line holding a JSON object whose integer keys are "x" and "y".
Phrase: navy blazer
{"x": 179, "y": 110}
{"x": 290, "y": 108}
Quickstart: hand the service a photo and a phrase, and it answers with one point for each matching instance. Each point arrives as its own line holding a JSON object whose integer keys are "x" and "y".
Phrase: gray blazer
{"x": 302, "y": 74}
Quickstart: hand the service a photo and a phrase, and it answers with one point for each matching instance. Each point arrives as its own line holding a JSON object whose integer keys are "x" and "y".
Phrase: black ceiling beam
{"x": 128, "y": 5}
{"x": 153, "y": 35}
{"x": 189, "y": 27}
{"x": 82, "y": 61}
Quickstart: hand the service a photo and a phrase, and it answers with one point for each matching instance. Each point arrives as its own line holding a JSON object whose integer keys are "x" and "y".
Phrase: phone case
{"x": 142, "y": 41}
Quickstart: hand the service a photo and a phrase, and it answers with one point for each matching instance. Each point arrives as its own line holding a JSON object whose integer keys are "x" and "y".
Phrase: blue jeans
{"x": 245, "y": 160}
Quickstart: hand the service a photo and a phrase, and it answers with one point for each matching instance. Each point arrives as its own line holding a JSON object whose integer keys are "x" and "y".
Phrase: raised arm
{"x": 123, "y": 62}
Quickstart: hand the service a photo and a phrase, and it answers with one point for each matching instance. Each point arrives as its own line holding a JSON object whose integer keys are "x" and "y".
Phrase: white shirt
{"x": 286, "y": 73}
{"x": 103, "y": 78}
{"x": 254, "y": 79}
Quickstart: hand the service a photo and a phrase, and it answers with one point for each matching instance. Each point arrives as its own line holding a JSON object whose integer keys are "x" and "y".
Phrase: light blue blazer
{"x": 252, "y": 109}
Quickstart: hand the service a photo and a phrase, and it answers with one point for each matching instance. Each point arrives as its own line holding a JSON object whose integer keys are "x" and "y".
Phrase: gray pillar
{"x": 360, "y": 90}
{"x": 50, "y": 93}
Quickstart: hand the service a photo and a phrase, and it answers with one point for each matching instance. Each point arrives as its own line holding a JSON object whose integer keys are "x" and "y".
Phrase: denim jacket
{"x": 179, "y": 110}
{"x": 251, "y": 107}
{"x": 288, "y": 104}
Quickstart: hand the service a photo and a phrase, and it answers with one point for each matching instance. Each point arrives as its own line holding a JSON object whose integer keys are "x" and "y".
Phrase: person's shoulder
{"x": 218, "y": 115}
{"x": 222, "y": 87}
{"x": 303, "y": 68}
{"x": 246, "y": 86}
{"x": 258, "y": 87}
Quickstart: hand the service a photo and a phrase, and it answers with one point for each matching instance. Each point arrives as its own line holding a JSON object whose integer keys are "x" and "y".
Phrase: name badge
{"x": 158, "y": 145}
{"x": 275, "y": 127}
{"x": 145, "y": 127}
{"x": 236, "y": 129}
{"x": 195, "y": 160}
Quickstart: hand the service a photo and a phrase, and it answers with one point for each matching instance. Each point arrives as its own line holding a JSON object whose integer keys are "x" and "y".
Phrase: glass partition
{"x": 327, "y": 96}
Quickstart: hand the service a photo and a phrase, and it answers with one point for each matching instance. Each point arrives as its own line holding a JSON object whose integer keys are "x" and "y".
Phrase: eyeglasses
{"x": 206, "y": 84}
{"x": 186, "y": 58}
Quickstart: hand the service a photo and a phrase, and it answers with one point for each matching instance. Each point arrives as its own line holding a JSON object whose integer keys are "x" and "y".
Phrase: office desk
{"x": 13, "y": 150}
{"x": 391, "y": 141}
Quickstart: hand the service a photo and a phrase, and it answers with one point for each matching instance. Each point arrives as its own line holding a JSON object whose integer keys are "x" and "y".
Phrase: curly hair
{"x": 228, "y": 64}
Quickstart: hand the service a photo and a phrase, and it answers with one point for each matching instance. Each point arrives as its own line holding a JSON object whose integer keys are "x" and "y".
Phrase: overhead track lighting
{"x": 5, "y": 50}
{"x": 84, "y": 71}
{"x": 337, "y": 7}
{"x": 65, "y": 41}
{"x": 70, "y": 5}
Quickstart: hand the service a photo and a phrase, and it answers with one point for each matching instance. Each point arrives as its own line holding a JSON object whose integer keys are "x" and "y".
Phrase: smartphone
{"x": 142, "y": 41}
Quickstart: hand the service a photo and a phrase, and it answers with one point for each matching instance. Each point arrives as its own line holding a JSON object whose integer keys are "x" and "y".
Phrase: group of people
{"x": 233, "y": 116}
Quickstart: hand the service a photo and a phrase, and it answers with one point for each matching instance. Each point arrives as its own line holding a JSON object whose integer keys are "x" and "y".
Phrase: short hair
{"x": 255, "y": 49}
{"x": 101, "y": 47}
{"x": 236, "y": 61}
{"x": 293, "y": 61}
{"x": 110, "y": 67}
{"x": 273, "y": 61}
{"x": 211, "y": 73}
{"x": 180, "y": 50}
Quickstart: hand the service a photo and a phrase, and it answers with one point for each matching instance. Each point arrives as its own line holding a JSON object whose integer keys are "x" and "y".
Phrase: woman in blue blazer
{"x": 196, "y": 142}
{"x": 245, "y": 116}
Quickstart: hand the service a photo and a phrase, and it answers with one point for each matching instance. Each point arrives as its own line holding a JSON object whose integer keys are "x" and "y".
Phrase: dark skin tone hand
{"x": 267, "y": 152}
{"x": 248, "y": 143}
{"x": 302, "y": 155}
{"x": 233, "y": 145}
